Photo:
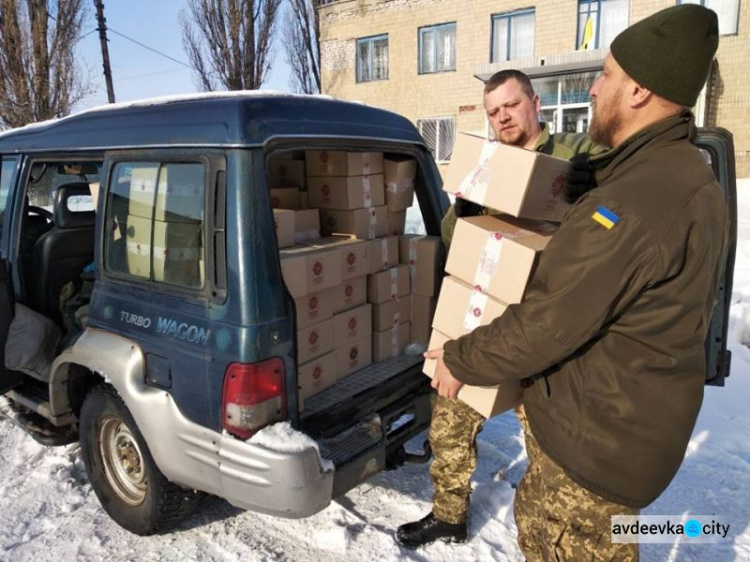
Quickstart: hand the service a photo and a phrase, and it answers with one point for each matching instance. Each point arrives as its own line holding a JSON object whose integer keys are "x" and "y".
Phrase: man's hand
{"x": 580, "y": 178}
{"x": 446, "y": 384}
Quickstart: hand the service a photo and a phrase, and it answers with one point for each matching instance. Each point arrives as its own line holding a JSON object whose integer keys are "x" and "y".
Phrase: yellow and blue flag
{"x": 605, "y": 217}
{"x": 588, "y": 34}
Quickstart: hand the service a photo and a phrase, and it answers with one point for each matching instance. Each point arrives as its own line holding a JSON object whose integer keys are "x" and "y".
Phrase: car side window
{"x": 6, "y": 177}
{"x": 155, "y": 221}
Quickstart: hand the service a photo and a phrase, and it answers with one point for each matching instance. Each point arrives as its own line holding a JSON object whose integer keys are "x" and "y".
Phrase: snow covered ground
{"x": 49, "y": 512}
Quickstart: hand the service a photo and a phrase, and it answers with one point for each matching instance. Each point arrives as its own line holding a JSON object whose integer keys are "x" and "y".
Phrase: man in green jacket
{"x": 611, "y": 335}
{"x": 512, "y": 109}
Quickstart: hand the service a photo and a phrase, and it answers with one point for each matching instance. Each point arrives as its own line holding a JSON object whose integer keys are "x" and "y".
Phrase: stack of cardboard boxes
{"x": 353, "y": 297}
{"x": 492, "y": 257}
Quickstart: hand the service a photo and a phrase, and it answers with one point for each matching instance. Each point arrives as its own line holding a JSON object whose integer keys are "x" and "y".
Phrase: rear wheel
{"x": 122, "y": 471}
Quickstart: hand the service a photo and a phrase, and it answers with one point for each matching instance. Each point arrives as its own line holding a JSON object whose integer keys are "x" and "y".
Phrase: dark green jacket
{"x": 614, "y": 322}
{"x": 562, "y": 145}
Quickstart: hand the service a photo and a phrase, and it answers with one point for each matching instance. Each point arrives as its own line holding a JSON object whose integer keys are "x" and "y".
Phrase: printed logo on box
{"x": 353, "y": 354}
{"x": 324, "y": 157}
{"x": 351, "y": 258}
{"x": 348, "y": 291}
{"x": 326, "y": 190}
{"x": 317, "y": 373}
{"x": 313, "y": 303}
{"x": 313, "y": 338}
{"x": 558, "y": 185}
{"x": 317, "y": 268}
{"x": 352, "y": 323}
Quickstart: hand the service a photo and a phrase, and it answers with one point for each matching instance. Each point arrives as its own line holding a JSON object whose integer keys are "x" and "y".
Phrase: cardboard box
{"x": 339, "y": 163}
{"x": 523, "y": 183}
{"x": 497, "y": 255}
{"x": 461, "y": 309}
{"x": 142, "y": 194}
{"x": 354, "y": 258}
{"x": 487, "y": 400}
{"x": 353, "y": 356}
{"x": 316, "y": 375}
{"x": 94, "y": 188}
{"x": 353, "y": 324}
{"x": 388, "y": 285}
{"x": 383, "y": 253}
{"x": 306, "y": 225}
{"x": 314, "y": 341}
{"x": 365, "y": 224}
{"x": 286, "y": 173}
{"x": 349, "y": 294}
{"x": 423, "y": 256}
{"x": 399, "y": 178}
{"x": 422, "y": 314}
{"x": 390, "y": 343}
{"x": 307, "y": 269}
{"x": 285, "y": 198}
{"x": 387, "y": 314}
{"x": 396, "y": 223}
{"x": 138, "y": 232}
{"x": 303, "y": 200}
{"x": 284, "y": 221}
{"x": 314, "y": 308}
{"x": 354, "y": 192}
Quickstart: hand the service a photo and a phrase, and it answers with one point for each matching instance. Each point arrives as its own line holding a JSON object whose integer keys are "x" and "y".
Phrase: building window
{"x": 512, "y": 36}
{"x": 372, "y": 58}
{"x": 728, "y": 12}
{"x": 600, "y": 21}
{"x": 566, "y": 106}
{"x": 438, "y": 133}
{"x": 437, "y": 48}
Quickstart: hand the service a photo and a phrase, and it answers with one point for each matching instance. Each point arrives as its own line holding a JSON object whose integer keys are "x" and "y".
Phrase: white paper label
{"x": 138, "y": 249}
{"x": 394, "y": 340}
{"x": 413, "y": 260}
{"x": 475, "y": 310}
{"x": 399, "y": 186}
{"x": 373, "y": 223}
{"x": 475, "y": 184}
{"x": 366, "y": 192}
{"x": 394, "y": 283}
{"x": 177, "y": 253}
{"x": 365, "y": 162}
{"x": 489, "y": 258}
{"x": 384, "y": 252}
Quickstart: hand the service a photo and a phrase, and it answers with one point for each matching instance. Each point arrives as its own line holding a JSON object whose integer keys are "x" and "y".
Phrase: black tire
{"x": 129, "y": 486}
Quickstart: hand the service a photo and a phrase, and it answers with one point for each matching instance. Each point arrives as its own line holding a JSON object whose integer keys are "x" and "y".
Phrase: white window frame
{"x": 594, "y": 10}
{"x": 510, "y": 16}
{"x": 433, "y": 29}
{"x": 370, "y": 42}
{"x": 441, "y": 155}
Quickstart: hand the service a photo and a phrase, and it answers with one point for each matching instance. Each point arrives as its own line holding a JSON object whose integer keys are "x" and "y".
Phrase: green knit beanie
{"x": 670, "y": 52}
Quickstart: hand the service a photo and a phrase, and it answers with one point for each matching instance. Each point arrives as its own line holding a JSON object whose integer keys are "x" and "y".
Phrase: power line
{"x": 149, "y": 48}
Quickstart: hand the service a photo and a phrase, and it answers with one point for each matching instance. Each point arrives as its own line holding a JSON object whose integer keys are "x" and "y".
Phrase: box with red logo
{"x": 285, "y": 198}
{"x": 383, "y": 253}
{"x": 399, "y": 175}
{"x": 286, "y": 173}
{"x": 388, "y": 285}
{"x": 487, "y": 400}
{"x": 387, "y": 314}
{"x": 354, "y": 192}
{"x": 523, "y": 183}
{"x": 306, "y": 225}
{"x": 461, "y": 309}
{"x": 349, "y": 294}
{"x": 353, "y": 356}
{"x": 354, "y": 259}
{"x": 284, "y": 222}
{"x": 497, "y": 254}
{"x": 340, "y": 163}
{"x": 314, "y": 341}
{"x": 353, "y": 324}
{"x": 391, "y": 342}
{"x": 316, "y": 375}
{"x": 422, "y": 314}
{"x": 396, "y": 222}
{"x": 365, "y": 224}
{"x": 314, "y": 308}
{"x": 306, "y": 269}
{"x": 423, "y": 255}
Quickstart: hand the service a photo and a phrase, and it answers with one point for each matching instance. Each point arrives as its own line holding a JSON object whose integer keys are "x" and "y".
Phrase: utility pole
{"x": 105, "y": 51}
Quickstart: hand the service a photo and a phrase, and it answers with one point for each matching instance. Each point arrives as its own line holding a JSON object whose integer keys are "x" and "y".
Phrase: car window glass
{"x": 6, "y": 175}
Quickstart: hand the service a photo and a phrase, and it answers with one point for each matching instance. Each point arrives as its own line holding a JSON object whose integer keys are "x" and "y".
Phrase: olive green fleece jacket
{"x": 613, "y": 326}
{"x": 561, "y": 145}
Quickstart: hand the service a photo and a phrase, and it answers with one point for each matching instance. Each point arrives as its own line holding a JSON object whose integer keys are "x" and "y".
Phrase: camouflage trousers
{"x": 558, "y": 520}
{"x": 453, "y": 438}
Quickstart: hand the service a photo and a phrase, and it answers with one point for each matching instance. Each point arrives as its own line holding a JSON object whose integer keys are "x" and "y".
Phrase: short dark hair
{"x": 500, "y": 78}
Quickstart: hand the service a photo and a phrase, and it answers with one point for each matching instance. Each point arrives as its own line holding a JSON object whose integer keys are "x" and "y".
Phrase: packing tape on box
{"x": 394, "y": 283}
{"x": 475, "y": 310}
{"x": 413, "y": 260}
{"x": 306, "y": 235}
{"x": 399, "y": 186}
{"x": 366, "y": 192}
{"x": 489, "y": 257}
{"x": 138, "y": 249}
{"x": 373, "y": 223}
{"x": 394, "y": 340}
{"x": 384, "y": 254}
{"x": 365, "y": 162}
{"x": 185, "y": 254}
{"x": 475, "y": 184}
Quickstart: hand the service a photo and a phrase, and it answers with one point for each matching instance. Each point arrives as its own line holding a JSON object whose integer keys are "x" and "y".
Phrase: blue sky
{"x": 139, "y": 73}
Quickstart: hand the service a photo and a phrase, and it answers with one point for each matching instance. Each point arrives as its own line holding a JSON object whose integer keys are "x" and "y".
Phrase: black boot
{"x": 428, "y": 530}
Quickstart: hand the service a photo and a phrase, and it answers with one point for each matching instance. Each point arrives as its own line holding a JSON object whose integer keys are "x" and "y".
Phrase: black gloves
{"x": 580, "y": 178}
{"x": 466, "y": 208}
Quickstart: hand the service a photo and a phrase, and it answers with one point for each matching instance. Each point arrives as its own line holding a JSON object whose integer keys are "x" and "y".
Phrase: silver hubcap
{"x": 123, "y": 462}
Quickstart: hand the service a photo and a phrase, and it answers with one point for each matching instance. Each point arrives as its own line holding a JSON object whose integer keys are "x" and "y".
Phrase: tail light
{"x": 253, "y": 396}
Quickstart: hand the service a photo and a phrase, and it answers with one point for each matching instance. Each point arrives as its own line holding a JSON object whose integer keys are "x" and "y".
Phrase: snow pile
{"x": 283, "y": 438}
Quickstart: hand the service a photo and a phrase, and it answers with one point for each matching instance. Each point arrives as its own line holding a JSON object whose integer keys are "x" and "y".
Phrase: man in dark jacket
{"x": 611, "y": 336}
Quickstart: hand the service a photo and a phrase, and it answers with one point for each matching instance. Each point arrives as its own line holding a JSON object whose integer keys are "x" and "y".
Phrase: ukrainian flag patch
{"x": 605, "y": 217}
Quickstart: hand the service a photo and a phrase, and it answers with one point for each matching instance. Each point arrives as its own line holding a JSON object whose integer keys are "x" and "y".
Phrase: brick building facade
{"x": 424, "y": 59}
